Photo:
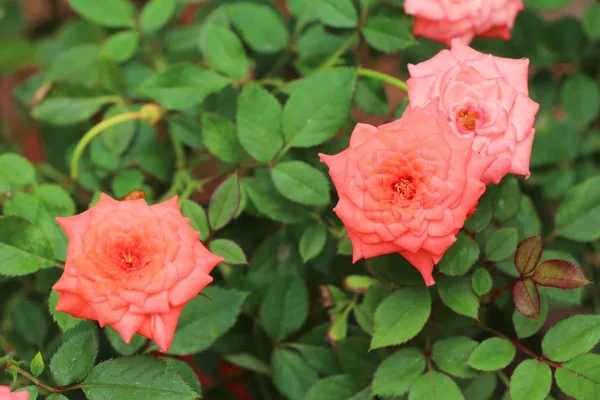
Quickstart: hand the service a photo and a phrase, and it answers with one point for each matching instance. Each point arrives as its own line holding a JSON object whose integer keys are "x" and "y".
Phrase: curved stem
{"x": 384, "y": 78}
{"x": 95, "y": 131}
{"x": 32, "y": 378}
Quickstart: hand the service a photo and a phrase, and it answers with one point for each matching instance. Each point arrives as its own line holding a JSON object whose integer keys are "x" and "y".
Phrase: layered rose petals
{"x": 406, "y": 187}
{"x": 444, "y": 20}
{"x": 6, "y": 394}
{"x": 133, "y": 267}
{"x": 485, "y": 99}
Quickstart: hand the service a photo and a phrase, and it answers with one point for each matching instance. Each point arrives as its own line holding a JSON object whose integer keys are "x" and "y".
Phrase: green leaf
{"x": 525, "y": 326}
{"x": 323, "y": 359}
{"x": 483, "y": 215}
{"x": 285, "y": 307}
{"x": 398, "y": 372}
{"x": 156, "y": 14}
{"x": 578, "y": 216}
{"x": 435, "y": 386}
{"x": 220, "y": 138}
{"x": 25, "y": 315}
{"x": 225, "y": 51}
{"x": 42, "y": 215}
{"x": 109, "y": 13}
{"x": 122, "y": 45}
{"x": 15, "y": 172}
{"x": 267, "y": 200}
{"x": 580, "y": 98}
{"x": 571, "y": 337}
{"x": 312, "y": 241}
{"x": 546, "y": 5}
{"x": 249, "y": 362}
{"x": 506, "y": 199}
{"x": 460, "y": 257}
{"x": 118, "y": 138}
{"x": 482, "y": 281}
{"x": 357, "y": 360}
{"x": 318, "y": 107}
{"x": 302, "y": 183}
{"x": 337, "y": 387}
{"x": 64, "y": 320}
{"x": 359, "y": 283}
{"x": 186, "y": 129}
{"x": 527, "y": 298}
{"x": 57, "y": 397}
{"x": 197, "y": 216}
{"x": 259, "y": 123}
{"x": 269, "y": 36}
{"x": 590, "y": 21}
{"x": 219, "y": 313}
{"x": 228, "y": 249}
{"x": 182, "y": 86}
{"x": 136, "y": 377}
{"x": 528, "y": 255}
{"x": 337, "y": 13}
{"x": 370, "y": 97}
{"x": 580, "y": 377}
{"x": 388, "y": 34}
{"x": 186, "y": 372}
{"x": 501, "y": 244}
{"x": 316, "y": 41}
{"x": 37, "y": 365}
{"x": 157, "y": 160}
{"x": 117, "y": 342}
{"x": 401, "y": 316}
{"x": 492, "y": 354}
{"x": 69, "y": 110}
{"x": 24, "y": 249}
{"x": 457, "y": 293}
{"x": 75, "y": 358}
{"x": 224, "y": 203}
{"x": 531, "y": 380}
{"x": 482, "y": 388}
{"x": 126, "y": 182}
{"x": 292, "y": 375}
{"x": 451, "y": 355}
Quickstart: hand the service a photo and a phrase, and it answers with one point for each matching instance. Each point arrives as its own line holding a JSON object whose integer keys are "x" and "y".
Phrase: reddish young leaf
{"x": 528, "y": 255}
{"x": 527, "y": 298}
{"x": 560, "y": 274}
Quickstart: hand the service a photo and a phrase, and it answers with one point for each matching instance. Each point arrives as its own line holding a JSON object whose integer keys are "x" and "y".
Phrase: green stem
{"x": 384, "y": 78}
{"x": 332, "y": 60}
{"x": 32, "y": 378}
{"x": 95, "y": 131}
{"x": 179, "y": 153}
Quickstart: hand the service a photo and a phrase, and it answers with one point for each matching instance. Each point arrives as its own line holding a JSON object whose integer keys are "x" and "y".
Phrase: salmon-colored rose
{"x": 6, "y": 394}
{"x": 485, "y": 98}
{"x": 406, "y": 187}
{"x": 444, "y": 20}
{"x": 133, "y": 267}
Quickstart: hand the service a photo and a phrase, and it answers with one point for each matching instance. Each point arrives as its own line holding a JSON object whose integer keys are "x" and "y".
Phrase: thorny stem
{"x": 383, "y": 77}
{"x": 95, "y": 131}
{"x": 518, "y": 344}
{"x": 36, "y": 381}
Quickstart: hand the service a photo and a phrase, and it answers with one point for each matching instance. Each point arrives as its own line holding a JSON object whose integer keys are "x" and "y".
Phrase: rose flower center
{"x": 131, "y": 260}
{"x": 405, "y": 188}
{"x": 468, "y": 119}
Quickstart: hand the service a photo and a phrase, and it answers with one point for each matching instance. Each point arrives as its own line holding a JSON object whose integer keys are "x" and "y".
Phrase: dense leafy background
{"x": 250, "y": 92}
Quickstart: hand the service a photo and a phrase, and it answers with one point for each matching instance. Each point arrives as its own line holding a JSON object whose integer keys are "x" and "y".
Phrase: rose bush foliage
{"x": 300, "y": 199}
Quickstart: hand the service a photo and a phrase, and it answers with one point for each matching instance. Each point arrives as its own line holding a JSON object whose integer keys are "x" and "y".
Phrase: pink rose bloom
{"x": 485, "y": 98}
{"x": 406, "y": 187}
{"x": 6, "y": 394}
{"x": 133, "y": 267}
{"x": 444, "y": 20}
